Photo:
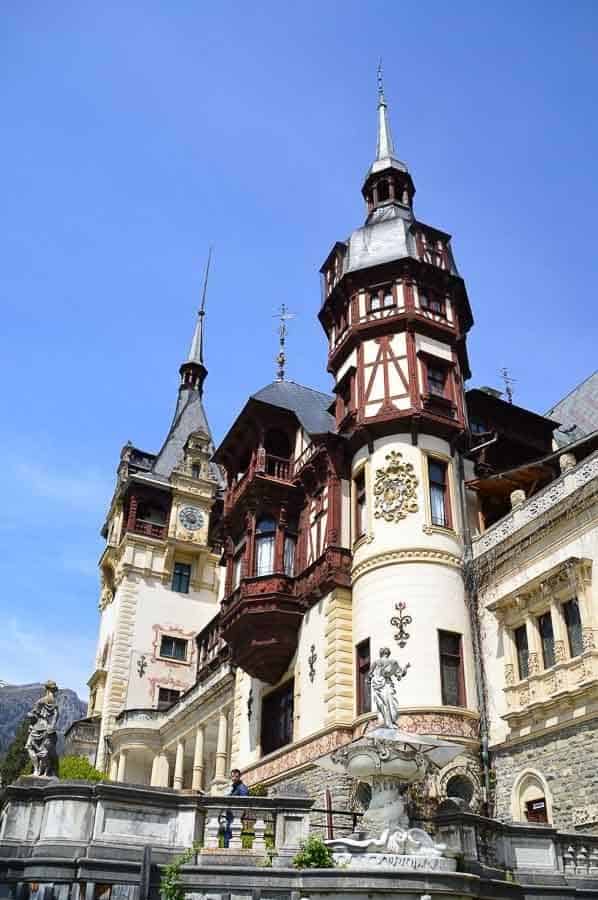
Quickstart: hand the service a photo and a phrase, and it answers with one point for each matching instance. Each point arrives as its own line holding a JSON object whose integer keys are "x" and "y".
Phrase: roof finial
{"x": 509, "y": 382}
{"x": 385, "y": 148}
{"x": 281, "y": 357}
{"x": 196, "y": 351}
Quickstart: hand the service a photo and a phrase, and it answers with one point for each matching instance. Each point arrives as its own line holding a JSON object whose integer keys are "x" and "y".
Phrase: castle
{"x": 246, "y": 589}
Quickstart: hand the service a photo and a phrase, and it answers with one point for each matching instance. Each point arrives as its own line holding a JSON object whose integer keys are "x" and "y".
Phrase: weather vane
{"x": 509, "y": 382}
{"x": 281, "y": 357}
{"x": 380, "y": 82}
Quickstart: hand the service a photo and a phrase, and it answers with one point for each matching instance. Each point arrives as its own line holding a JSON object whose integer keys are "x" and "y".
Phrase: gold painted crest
{"x": 395, "y": 489}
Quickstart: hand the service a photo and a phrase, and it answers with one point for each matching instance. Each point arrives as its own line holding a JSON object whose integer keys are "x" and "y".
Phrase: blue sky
{"x": 136, "y": 134}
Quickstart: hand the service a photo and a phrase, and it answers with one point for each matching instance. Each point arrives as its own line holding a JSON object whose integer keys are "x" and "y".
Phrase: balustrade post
{"x": 211, "y": 831}
{"x": 259, "y": 840}
{"x": 236, "y": 827}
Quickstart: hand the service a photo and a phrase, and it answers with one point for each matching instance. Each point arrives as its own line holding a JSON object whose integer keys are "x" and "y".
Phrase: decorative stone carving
{"x": 509, "y": 674}
{"x": 41, "y": 739}
{"x": 311, "y": 661}
{"x": 517, "y": 497}
{"x": 533, "y": 663}
{"x": 588, "y": 638}
{"x": 400, "y": 622}
{"x": 559, "y": 651}
{"x": 567, "y": 461}
{"x": 382, "y": 677}
{"x": 395, "y": 489}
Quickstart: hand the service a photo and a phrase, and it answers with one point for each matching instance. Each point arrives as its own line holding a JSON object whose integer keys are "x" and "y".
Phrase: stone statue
{"x": 41, "y": 740}
{"x": 383, "y": 675}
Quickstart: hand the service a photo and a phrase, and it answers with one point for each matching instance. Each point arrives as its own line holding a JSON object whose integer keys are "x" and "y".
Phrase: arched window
{"x": 531, "y": 801}
{"x": 460, "y": 786}
{"x": 265, "y": 534}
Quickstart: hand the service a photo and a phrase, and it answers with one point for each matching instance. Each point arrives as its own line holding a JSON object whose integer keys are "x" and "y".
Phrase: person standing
{"x": 237, "y": 789}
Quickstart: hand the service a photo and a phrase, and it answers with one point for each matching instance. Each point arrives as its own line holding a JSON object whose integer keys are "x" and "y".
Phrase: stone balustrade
{"x": 526, "y": 512}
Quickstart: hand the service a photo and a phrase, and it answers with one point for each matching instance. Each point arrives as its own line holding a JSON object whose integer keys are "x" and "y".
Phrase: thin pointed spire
{"x": 197, "y": 343}
{"x": 385, "y": 148}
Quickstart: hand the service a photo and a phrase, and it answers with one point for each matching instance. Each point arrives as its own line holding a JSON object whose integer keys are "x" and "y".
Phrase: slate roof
{"x": 189, "y": 416}
{"x": 310, "y": 406}
{"x": 577, "y": 411}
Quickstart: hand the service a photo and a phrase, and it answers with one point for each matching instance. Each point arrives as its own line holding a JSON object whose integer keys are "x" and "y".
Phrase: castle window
{"x": 535, "y": 811}
{"x": 436, "y": 379}
{"x": 173, "y": 647}
{"x": 360, "y": 504}
{"x": 451, "y": 668}
{"x": 264, "y": 546}
{"x": 362, "y": 669}
{"x": 381, "y": 298}
{"x": 573, "y": 623}
{"x": 166, "y": 697}
{"x": 432, "y": 303}
{"x": 277, "y": 718}
{"x": 521, "y": 646}
{"x": 439, "y": 493}
{"x": 195, "y": 470}
{"x": 181, "y": 577}
{"x": 547, "y": 638}
{"x": 290, "y": 543}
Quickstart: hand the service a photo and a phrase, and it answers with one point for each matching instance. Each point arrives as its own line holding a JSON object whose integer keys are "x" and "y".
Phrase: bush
{"x": 258, "y": 790}
{"x": 78, "y": 768}
{"x": 314, "y": 854}
{"x": 16, "y": 762}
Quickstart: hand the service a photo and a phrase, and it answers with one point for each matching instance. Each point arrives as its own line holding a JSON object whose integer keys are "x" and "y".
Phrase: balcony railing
{"x": 149, "y": 529}
{"x": 265, "y": 465}
{"x": 213, "y": 650}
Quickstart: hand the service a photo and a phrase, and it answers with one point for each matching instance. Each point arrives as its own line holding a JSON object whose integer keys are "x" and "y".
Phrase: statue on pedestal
{"x": 41, "y": 739}
{"x": 382, "y": 677}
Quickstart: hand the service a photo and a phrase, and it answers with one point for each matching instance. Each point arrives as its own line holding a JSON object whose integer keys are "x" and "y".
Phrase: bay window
{"x": 265, "y": 537}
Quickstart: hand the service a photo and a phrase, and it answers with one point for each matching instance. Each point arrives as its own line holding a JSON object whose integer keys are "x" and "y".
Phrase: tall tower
{"x": 396, "y": 315}
{"x": 159, "y": 570}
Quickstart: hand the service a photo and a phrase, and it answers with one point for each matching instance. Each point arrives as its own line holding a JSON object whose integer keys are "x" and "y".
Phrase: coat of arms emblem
{"x": 395, "y": 489}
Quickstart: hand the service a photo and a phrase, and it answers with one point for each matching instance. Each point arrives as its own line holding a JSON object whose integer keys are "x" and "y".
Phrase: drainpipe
{"x": 471, "y": 593}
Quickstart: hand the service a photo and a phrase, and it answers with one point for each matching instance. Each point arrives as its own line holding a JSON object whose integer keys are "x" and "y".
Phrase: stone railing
{"x": 531, "y": 509}
{"x": 546, "y": 685}
{"x": 140, "y": 718}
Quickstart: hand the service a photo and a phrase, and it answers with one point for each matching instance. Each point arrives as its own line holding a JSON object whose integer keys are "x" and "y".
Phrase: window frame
{"x": 268, "y": 717}
{"x": 171, "y": 657}
{"x": 565, "y": 607}
{"x": 166, "y": 704}
{"x": 547, "y": 643}
{"x": 381, "y": 292}
{"x": 521, "y": 653}
{"x": 461, "y": 692}
{"x": 264, "y": 537}
{"x": 448, "y": 524}
{"x": 363, "y": 696}
{"x": 176, "y": 574}
{"x": 360, "y": 504}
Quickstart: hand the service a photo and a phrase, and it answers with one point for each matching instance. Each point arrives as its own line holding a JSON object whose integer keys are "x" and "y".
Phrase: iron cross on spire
{"x": 281, "y": 358}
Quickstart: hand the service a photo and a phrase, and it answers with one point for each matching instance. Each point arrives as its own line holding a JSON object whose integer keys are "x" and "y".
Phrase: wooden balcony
{"x": 212, "y": 649}
{"x": 149, "y": 529}
{"x": 264, "y": 466}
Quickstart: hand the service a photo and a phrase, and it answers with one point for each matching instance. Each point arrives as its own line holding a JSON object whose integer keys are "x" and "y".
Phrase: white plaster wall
{"x": 435, "y": 600}
{"x": 493, "y": 640}
{"x": 436, "y": 348}
{"x": 161, "y": 610}
{"x": 351, "y": 360}
{"x": 310, "y": 711}
{"x": 433, "y": 591}
{"x": 106, "y": 629}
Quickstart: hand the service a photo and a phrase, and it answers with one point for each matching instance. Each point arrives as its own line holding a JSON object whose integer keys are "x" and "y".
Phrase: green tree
{"x": 16, "y": 762}
{"x": 78, "y": 768}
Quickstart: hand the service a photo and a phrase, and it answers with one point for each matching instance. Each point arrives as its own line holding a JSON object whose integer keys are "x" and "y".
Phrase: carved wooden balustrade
{"x": 262, "y": 464}
{"x": 213, "y": 650}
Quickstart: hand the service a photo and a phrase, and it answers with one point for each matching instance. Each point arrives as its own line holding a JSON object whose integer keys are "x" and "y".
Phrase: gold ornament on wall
{"x": 395, "y": 489}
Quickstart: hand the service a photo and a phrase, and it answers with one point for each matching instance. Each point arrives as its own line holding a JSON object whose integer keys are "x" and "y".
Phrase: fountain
{"x": 388, "y": 760}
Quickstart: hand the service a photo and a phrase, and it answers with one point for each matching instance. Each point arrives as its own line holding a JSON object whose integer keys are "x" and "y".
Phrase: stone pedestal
{"x": 403, "y": 862}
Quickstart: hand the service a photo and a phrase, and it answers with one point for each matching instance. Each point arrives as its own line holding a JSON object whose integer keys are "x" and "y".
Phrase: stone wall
{"x": 81, "y": 739}
{"x": 313, "y": 783}
{"x": 566, "y": 760}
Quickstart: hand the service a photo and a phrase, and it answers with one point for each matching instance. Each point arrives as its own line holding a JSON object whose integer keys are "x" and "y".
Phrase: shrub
{"x": 171, "y": 887}
{"x": 314, "y": 854}
{"x": 78, "y": 768}
{"x": 258, "y": 790}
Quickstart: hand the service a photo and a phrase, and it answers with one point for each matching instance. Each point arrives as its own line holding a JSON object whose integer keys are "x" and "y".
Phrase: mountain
{"x": 17, "y": 699}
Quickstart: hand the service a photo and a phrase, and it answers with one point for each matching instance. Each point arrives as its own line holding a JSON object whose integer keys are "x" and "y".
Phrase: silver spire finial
{"x": 385, "y": 148}
{"x": 281, "y": 357}
{"x": 196, "y": 350}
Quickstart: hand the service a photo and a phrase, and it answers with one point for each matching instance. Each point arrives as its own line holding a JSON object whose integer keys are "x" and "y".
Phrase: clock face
{"x": 191, "y": 518}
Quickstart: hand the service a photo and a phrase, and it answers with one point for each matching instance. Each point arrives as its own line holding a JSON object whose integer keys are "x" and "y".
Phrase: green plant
{"x": 258, "y": 790}
{"x": 314, "y": 854}
{"x": 16, "y": 761}
{"x": 78, "y": 768}
{"x": 170, "y": 882}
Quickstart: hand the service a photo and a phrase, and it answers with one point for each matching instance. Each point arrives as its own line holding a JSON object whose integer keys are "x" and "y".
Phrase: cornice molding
{"x": 413, "y": 554}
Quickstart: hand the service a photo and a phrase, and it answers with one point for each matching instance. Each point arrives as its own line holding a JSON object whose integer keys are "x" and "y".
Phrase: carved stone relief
{"x": 395, "y": 489}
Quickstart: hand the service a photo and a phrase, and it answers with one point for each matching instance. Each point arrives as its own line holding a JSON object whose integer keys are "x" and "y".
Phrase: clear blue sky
{"x": 135, "y": 134}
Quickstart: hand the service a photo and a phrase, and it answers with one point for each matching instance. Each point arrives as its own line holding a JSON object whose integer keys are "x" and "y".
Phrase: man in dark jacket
{"x": 237, "y": 789}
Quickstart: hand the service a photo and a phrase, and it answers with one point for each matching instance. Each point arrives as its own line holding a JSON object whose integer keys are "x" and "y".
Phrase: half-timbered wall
{"x": 384, "y": 374}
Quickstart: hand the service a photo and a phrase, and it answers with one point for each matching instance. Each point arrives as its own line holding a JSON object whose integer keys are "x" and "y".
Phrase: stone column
{"x": 113, "y": 768}
{"x": 197, "y": 783}
{"x": 179, "y": 763}
{"x": 155, "y": 778}
{"x": 560, "y": 631}
{"x": 221, "y": 745}
{"x": 122, "y": 764}
{"x": 533, "y": 644}
{"x": 511, "y": 663}
{"x": 164, "y": 770}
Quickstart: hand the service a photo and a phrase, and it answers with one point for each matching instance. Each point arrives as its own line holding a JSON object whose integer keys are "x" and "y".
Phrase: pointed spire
{"x": 196, "y": 349}
{"x": 385, "y": 148}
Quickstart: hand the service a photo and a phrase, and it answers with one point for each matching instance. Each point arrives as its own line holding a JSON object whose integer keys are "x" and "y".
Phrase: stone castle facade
{"x": 247, "y": 588}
